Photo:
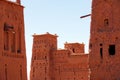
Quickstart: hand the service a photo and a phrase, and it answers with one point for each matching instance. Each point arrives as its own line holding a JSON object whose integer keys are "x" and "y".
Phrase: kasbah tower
{"x": 104, "y": 46}
{"x": 50, "y": 63}
{"x": 71, "y": 63}
{"x": 12, "y": 41}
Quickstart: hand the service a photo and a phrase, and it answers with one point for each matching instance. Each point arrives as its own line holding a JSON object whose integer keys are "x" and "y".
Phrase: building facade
{"x": 104, "y": 56}
{"x": 71, "y": 63}
{"x": 12, "y": 41}
{"x": 49, "y": 63}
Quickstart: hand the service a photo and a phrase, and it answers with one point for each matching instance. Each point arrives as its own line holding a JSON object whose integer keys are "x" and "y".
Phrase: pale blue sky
{"x": 61, "y": 17}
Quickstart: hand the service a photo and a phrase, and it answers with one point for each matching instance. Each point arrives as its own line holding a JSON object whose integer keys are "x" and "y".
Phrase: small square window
{"x": 111, "y": 49}
{"x": 101, "y": 44}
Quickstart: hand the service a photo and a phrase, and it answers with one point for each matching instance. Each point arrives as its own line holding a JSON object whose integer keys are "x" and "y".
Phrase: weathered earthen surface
{"x": 12, "y": 42}
{"x": 104, "y": 45}
{"x": 48, "y": 63}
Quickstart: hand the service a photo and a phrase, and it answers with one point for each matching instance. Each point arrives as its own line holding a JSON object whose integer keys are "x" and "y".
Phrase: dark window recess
{"x": 18, "y": 51}
{"x": 8, "y": 27}
{"x": 106, "y": 22}
{"x": 116, "y": 38}
{"x": 73, "y": 50}
{"x": 101, "y": 44}
{"x": 111, "y": 49}
{"x": 90, "y": 46}
{"x": 101, "y": 52}
{"x": 45, "y": 57}
{"x": 6, "y": 40}
{"x": 19, "y": 41}
{"x": 13, "y": 42}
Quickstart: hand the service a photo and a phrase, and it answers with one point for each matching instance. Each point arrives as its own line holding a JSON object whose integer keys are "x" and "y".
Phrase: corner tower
{"x": 104, "y": 43}
{"x": 43, "y": 46}
{"x": 12, "y": 41}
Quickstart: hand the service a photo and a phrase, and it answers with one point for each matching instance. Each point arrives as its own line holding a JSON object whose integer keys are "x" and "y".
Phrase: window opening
{"x": 73, "y": 50}
{"x": 101, "y": 44}
{"x": 6, "y": 40}
{"x": 90, "y": 45}
{"x": 13, "y": 42}
{"x": 106, "y": 22}
{"x": 7, "y": 27}
{"x": 19, "y": 41}
{"x": 111, "y": 49}
{"x": 101, "y": 53}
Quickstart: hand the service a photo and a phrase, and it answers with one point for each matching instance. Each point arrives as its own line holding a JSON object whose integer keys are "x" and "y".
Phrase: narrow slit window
{"x": 13, "y": 42}
{"x": 111, "y": 49}
{"x": 19, "y": 41}
{"x": 6, "y": 40}
{"x": 101, "y": 53}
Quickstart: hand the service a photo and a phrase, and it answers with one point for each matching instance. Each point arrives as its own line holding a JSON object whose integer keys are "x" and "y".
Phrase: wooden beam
{"x": 85, "y": 16}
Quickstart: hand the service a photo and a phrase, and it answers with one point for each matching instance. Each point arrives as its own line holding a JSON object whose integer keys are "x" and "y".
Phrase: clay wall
{"x": 68, "y": 66}
{"x": 12, "y": 48}
{"x": 104, "y": 40}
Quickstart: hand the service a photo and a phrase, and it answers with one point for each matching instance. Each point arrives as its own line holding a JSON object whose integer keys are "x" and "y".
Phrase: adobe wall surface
{"x": 12, "y": 42}
{"x": 104, "y": 40}
{"x": 68, "y": 66}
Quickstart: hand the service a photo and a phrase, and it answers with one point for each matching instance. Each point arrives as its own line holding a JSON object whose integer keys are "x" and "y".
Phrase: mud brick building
{"x": 71, "y": 63}
{"x": 104, "y": 55}
{"x": 12, "y": 41}
{"x": 49, "y": 63}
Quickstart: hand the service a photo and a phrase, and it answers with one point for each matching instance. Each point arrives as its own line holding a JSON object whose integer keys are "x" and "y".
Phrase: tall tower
{"x": 104, "y": 44}
{"x": 12, "y": 41}
{"x": 43, "y": 46}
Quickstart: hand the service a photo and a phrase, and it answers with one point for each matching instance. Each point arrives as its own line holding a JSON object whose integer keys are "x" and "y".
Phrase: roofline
{"x": 73, "y": 43}
{"x": 12, "y": 3}
{"x": 36, "y": 35}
